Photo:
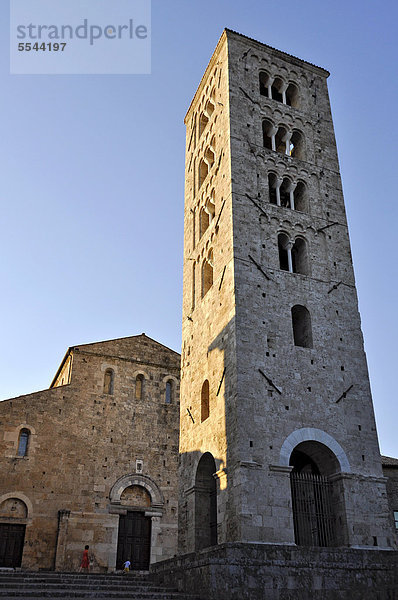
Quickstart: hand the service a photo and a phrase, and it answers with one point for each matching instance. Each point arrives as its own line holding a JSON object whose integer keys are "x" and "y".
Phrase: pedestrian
{"x": 85, "y": 564}
{"x": 126, "y": 566}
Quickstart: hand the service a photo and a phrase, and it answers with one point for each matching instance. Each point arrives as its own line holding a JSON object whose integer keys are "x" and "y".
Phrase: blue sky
{"x": 91, "y": 183}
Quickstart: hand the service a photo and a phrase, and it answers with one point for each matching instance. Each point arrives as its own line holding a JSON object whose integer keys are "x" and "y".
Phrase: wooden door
{"x": 134, "y": 540}
{"x": 11, "y": 544}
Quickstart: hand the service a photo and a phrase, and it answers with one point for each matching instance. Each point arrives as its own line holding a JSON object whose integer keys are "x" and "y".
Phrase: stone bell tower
{"x": 278, "y": 440}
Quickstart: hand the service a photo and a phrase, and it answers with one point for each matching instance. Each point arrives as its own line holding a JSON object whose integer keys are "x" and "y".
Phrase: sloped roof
{"x": 388, "y": 461}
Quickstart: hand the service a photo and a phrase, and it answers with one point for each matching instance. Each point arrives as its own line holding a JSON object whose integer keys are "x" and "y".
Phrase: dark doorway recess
{"x": 134, "y": 541}
{"x": 11, "y": 544}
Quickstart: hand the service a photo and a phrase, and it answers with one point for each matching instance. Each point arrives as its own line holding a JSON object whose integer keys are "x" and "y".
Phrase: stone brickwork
{"x": 272, "y": 330}
{"x": 237, "y": 571}
{"x": 93, "y": 455}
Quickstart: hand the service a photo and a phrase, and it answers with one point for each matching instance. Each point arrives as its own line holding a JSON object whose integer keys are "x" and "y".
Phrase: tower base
{"x": 249, "y": 571}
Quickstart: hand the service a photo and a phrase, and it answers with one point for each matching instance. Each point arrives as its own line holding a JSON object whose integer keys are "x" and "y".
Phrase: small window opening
{"x": 300, "y": 197}
{"x": 203, "y": 171}
{"x": 285, "y": 193}
{"x": 23, "y": 442}
{"x": 267, "y": 134}
{"x": 272, "y": 182}
{"x": 396, "y": 519}
{"x": 169, "y": 392}
{"x": 297, "y": 145}
{"x": 280, "y": 140}
{"x": 203, "y": 120}
{"x": 292, "y": 96}
{"x": 207, "y": 273}
{"x": 276, "y": 90}
{"x": 109, "y": 381}
{"x": 300, "y": 257}
{"x": 302, "y": 330}
{"x": 203, "y": 221}
{"x": 264, "y": 77}
{"x": 283, "y": 245}
{"x": 205, "y": 402}
{"x": 139, "y": 386}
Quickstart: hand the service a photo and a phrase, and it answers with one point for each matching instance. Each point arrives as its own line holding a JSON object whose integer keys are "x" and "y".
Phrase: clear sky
{"x": 92, "y": 179}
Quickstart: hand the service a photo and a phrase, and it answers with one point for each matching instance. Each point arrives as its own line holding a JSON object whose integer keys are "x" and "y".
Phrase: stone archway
{"x": 317, "y": 462}
{"x": 13, "y": 520}
{"x": 139, "y": 503}
{"x": 205, "y": 503}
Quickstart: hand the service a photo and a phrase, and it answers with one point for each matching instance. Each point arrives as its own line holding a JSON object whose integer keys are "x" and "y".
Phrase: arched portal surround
{"x": 317, "y": 489}
{"x": 310, "y": 434}
{"x": 150, "y": 511}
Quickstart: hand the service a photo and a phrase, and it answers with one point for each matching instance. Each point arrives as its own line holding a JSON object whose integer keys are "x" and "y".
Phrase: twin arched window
{"x": 293, "y": 256}
{"x": 23, "y": 442}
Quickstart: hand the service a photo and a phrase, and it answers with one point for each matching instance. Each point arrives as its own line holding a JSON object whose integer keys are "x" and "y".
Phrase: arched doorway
{"x": 134, "y": 535}
{"x": 13, "y": 517}
{"x": 205, "y": 503}
{"x": 318, "y": 504}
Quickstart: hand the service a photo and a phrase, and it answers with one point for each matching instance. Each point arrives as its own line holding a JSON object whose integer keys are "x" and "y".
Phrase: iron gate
{"x": 314, "y": 521}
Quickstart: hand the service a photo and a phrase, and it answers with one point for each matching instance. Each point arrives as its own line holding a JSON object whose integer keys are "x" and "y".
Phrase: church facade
{"x": 93, "y": 460}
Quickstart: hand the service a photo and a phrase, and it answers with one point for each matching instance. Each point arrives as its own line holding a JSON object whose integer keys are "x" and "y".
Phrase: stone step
{"x": 80, "y": 586}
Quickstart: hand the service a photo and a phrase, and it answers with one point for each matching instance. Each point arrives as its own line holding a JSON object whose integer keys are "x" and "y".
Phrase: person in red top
{"x": 85, "y": 564}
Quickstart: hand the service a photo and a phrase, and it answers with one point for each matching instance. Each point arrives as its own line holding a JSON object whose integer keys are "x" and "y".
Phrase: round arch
{"x": 310, "y": 434}
{"x": 19, "y": 496}
{"x": 157, "y": 500}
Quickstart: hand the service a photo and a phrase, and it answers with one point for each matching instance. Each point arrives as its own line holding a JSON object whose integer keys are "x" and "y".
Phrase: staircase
{"x": 75, "y": 586}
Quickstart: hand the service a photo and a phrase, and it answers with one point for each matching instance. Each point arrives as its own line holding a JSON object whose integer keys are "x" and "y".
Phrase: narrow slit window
{"x": 109, "y": 378}
{"x": 23, "y": 442}
{"x": 205, "y": 402}
{"x": 169, "y": 392}
{"x": 139, "y": 387}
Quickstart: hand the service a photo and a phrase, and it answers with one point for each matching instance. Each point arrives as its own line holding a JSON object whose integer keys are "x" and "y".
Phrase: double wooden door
{"x": 134, "y": 540}
{"x": 11, "y": 544}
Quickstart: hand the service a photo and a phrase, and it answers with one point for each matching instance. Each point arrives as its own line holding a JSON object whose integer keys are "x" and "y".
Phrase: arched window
{"x": 139, "y": 387}
{"x": 297, "y": 149}
{"x": 280, "y": 140}
{"x": 302, "y": 330}
{"x": 285, "y": 193}
{"x": 204, "y": 402}
{"x": 276, "y": 89}
{"x": 268, "y": 128}
{"x": 207, "y": 273}
{"x": 272, "y": 185}
{"x": 203, "y": 221}
{"x": 203, "y": 120}
{"x": 300, "y": 197}
{"x": 292, "y": 96}
{"x": 23, "y": 442}
{"x": 300, "y": 256}
{"x": 169, "y": 391}
{"x": 263, "y": 80}
{"x": 193, "y": 284}
{"x": 203, "y": 171}
{"x": 284, "y": 252}
{"x": 109, "y": 378}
